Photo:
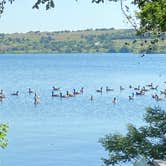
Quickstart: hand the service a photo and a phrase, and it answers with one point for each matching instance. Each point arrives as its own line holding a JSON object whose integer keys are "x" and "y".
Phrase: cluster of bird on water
{"x": 56, "y": 92}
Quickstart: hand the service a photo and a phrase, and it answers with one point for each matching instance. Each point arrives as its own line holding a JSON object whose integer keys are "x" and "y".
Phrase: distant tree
{"x": 148, "y": 141}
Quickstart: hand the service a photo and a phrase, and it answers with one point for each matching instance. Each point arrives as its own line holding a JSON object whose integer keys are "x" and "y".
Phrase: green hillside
{"x": 86, "y": 41}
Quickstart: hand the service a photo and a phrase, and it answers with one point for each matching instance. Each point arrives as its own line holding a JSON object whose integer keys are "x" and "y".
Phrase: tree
{"x": 3, "y": 133}
{"x": 148, "y": 141}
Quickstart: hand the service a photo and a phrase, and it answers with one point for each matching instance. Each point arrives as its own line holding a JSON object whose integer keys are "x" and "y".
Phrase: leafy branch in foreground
{"x": 3, "y": 133}
{"x": 148, "y": 141}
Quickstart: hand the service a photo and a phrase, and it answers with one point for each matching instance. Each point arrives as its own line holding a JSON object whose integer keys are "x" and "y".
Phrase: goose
{"x": 54, "y": 95}
{"x": 143, "y": 89}
{"x": 2, "y": 96}
{"x": 36, "y": 101}
{"x": 131, "y": 98}
{"x": 130, "y": 86}
{"x": 36, "y": 96}
{"x": 30, "y": 91}
{"x": 114, "y": 101}
{"x": 109, "y": 89}
{"x": 158, "y": 98}
{"x": 15, "y": 93}
{"x": 1, "y": 92}
{"x": 82, "y": 90}
{"x": 163, "y": 92}
{"x": 75, "y": 92}
{"x": 63, "y": 96}
{"x": 121, "y": 88}
{"x": 140, "y": 93}
{"x": 100, "y": 90}
{"x": 55, "y": 88}
{"x": 150, "y": 85}
{"x": 69, "y": 94}
{"x": 138, "y": 88}
{"x": 154, "y": 88}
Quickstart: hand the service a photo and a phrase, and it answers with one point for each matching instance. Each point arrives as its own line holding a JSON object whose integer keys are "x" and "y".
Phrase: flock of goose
{"x": 136, "y": 91}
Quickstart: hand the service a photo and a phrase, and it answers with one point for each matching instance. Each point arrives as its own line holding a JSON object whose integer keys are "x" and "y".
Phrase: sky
{"x": 67, "y": 15}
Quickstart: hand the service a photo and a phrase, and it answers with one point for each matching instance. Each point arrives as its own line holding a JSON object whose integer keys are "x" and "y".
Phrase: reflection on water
{"x": 66, "y": 131}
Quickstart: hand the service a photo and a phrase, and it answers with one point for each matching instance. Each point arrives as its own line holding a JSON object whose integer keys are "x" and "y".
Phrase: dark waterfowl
{"x": 75, "y": 92}
{"x": 140, "y": 93}
{"x": 91, "y": 98}
{"x": 150, "y": 85}
{"x": 82, "y": 90}
{"x": 2, "y": 95}
{"x": 100, "y": 90}
{"x": 55, "y": 88}
{"x": 154, "y": 88}
{"x": 138, "y": 88}
{"x": 109, "y": 89}
{"x": 131, "y": 98}
{"x": 130, "y": 86}
{"x": 30, "y": 91}
{"x": 69, "y": 94}
{"x": 63, "y": 96}
{"x": 36, "y": 101}
{"x": 114, "y": 101}
{"x": 121, "y": 88}
{"x": 54, "y": 95}
{"x": 15, "y": 93}
{"x": 1, "y": 92}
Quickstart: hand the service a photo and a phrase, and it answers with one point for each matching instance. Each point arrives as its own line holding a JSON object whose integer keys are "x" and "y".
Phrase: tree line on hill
{"x": 85, "y": 41}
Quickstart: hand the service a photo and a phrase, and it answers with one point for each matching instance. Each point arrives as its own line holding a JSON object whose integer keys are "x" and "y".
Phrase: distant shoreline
{"x": 86, "y": 41}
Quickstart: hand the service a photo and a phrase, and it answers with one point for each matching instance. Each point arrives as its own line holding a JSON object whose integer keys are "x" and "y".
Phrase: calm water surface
{"x": 66, "y": 132}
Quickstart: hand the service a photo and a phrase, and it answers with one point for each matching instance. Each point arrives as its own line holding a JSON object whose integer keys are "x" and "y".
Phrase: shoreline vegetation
{"x": 81, "y": 41}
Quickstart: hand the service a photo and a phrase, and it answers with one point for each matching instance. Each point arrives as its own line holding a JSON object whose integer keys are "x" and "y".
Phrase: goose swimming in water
{"x": 55, "y": 95}
{"x": 1, "y": 92}
{"x": 100, "y": 90}
{"x": 15, "y": 93}
{"x": 75, "y": 92}
{"x": 2, "y": 95}
{"x": 55, "y": 88}
{"x": 30, "y": 91}
{"x": 63, "y": 96}
{"x": 121, "y": 88}
{"x": 150, "y": 85}
{"x": 114, "y": 101}
{"x": 36, "y": 101}
{"x": 82, "y": 90}
{"x": 138, "y": 88}
{"x": 109, "y": 89}
{"x": 69, "y": 94}
{"x": 131, "y": 98}
{"x": 154, "y": 88}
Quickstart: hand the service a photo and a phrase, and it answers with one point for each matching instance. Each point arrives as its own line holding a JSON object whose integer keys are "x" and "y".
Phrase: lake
{"x": 65, "y": 132}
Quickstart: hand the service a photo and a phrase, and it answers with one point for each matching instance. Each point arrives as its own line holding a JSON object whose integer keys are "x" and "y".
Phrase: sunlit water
{"x": 65, "y": 132}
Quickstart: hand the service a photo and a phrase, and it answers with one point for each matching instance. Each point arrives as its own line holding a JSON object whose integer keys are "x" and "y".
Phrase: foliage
{"x": 148, "y": 141}
{"x": 85, "y": 41}
{"x": 152, "y": 15}
{"x": 3, "y": 133}
{"x": 49, "y": 4}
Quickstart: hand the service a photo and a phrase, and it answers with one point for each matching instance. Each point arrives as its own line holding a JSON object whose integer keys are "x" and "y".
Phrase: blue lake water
{"x": 65, "y": 132}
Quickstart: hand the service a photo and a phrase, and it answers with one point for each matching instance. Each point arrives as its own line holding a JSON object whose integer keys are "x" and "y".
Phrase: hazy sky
{"x": 67, "y": 15}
